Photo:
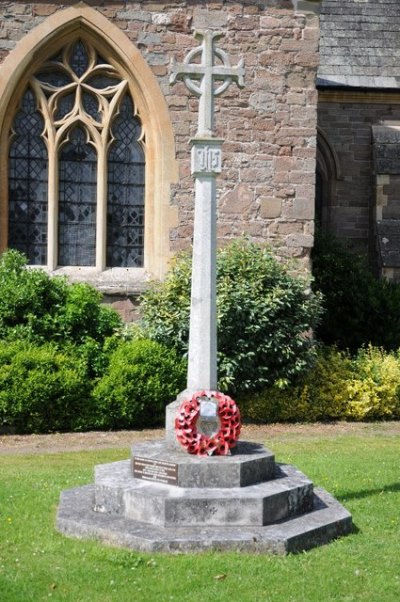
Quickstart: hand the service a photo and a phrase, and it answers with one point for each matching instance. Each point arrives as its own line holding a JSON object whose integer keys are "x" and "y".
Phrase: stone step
{"x": 327, "y": 521}
{"x": 117, "y": 492}
{"x": 249, "y": 463}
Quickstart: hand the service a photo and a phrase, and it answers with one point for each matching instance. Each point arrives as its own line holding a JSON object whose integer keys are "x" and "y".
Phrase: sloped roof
{"x": 360, "y": 44}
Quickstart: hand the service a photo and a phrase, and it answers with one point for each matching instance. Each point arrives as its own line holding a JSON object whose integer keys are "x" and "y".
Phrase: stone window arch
{"x": 327, "y": 175}
{"x": 102, "y": 118}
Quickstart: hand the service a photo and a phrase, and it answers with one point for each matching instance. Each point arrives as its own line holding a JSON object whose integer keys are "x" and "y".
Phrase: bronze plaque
{"x": 155, "y": 470}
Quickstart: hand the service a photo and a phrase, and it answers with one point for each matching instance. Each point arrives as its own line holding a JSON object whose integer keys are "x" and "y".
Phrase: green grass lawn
{"x": 363, "y": 472}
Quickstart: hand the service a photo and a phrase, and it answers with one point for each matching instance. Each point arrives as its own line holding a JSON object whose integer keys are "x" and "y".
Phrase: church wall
{"x": 346, "y": 120}
{"x": 266, "y": 189}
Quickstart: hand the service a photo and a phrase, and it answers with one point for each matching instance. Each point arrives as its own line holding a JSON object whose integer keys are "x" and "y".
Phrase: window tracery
{"x": 90, "y": 199}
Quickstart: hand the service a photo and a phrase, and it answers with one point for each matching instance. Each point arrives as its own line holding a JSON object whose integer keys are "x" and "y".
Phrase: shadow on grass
{"x": 354, "y": 529}
{"x": 358, "y": 495}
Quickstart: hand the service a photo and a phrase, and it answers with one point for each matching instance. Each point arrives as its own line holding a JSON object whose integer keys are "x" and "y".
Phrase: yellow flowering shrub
{"x": 374, "y": 391}
{"x": 338, "y": 387}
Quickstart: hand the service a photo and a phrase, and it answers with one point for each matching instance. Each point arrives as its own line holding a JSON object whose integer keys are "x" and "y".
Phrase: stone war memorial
{"x": 202, "y": 488}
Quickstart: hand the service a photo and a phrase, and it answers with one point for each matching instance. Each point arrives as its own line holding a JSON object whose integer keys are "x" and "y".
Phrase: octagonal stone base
{"x": 115, "y": 492}
{"x": 249, "y": 463}
{"x": 239, "y": 502}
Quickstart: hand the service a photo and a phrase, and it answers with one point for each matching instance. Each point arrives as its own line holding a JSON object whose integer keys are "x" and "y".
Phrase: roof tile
{"x": 360, "y": 43}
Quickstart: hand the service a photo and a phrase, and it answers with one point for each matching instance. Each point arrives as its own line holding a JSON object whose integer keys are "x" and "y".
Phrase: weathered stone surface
{"x": 281, "y": 514}
{"x": 289, "y": 493}
{"x": 239, "y": 200}
{"x": 300, "y": 240}
{"x": 270, "y": 207}
{"x": 301, "y": 209}
{"x": 386, "y": 148}
{"x": 350, "y": 163}
{"x": 203, "y": 18}
{"x": 328, "y": 520}
{"x": 389, "y": 242}
{"x": 359, "y": 25}
{"x": 170, "y": 414}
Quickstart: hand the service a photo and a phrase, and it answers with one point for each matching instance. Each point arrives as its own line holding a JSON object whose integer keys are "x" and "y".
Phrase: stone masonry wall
{"x": 348, "y": 129}
{"x": 267, "y": 187}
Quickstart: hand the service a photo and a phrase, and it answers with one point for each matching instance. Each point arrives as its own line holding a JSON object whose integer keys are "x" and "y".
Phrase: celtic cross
{"x": 207, "y": 72}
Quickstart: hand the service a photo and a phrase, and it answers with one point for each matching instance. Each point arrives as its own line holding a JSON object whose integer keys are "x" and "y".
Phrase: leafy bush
{"x": 338, "y": 387}
{"x": 41, "y": 389}
{"x": 358, "y": 307}
{"x": 60, "y": 340}
{"x": 38, "y": 308}
{"x": 82, "y": 316}
{"x": 374, "y": 391}
{"x": 28, "y": 298}
{"x": 68, "y": 338}
{"x": 142, "y": 377}
{"x": 263, "y": 316}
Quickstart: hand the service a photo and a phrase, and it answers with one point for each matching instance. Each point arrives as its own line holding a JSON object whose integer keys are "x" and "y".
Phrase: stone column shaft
{"x": 202, "y": 370}
{"x": 202, "y": 367}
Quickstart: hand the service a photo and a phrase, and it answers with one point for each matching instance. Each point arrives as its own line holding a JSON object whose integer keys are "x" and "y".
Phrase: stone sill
{"x": 112, "y": 281}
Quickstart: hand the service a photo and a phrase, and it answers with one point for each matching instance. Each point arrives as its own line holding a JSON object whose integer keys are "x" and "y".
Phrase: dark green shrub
{"x": 142, "y": 377}
{"x": 38, "y": 308}
{"x": 165, "y": 306}
{"x": 41, "y": 389}
{"x": 82, "y": 316}
{"x": 263, "y": 315}
{"x": 359, "y": 309}
{"x": 29, "y": 299}
{"x": 93, "y": 356}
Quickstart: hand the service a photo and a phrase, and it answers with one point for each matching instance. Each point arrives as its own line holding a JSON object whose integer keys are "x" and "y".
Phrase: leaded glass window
{"x": 27, "y": 184}
{"x": 76, "y": 147}
{"x": 125, "y": 206}
{"x": 77, "y": 202}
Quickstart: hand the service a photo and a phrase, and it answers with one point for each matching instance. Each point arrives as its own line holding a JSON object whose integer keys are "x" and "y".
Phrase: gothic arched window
{"x": 77, "y": 165}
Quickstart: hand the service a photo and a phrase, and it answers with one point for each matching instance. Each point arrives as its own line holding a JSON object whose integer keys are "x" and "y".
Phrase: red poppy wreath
{"x": 195, "y": 442}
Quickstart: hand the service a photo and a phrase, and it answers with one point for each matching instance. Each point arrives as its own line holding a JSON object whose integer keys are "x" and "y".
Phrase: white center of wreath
{"x": 208, "y": 422}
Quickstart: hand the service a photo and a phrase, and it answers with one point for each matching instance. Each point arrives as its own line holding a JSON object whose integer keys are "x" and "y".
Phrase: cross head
{"x": 200, "y": 77}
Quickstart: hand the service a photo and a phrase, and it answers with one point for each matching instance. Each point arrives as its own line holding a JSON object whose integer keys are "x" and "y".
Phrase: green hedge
{"x": 65, "y": 363}
{"x": 42, "y": 390}
{"x": 338, "y": 387}
{"x": 142, "y": 377}
{"x": 38, "y": 308}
